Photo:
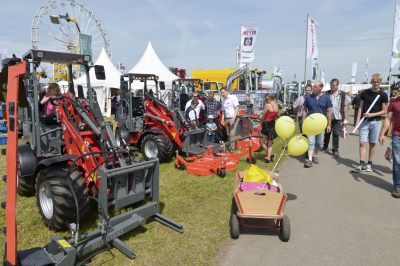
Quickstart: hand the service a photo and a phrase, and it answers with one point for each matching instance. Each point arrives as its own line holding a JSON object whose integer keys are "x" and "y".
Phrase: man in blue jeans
{"x": 393, "y": 116}
{"x": 317, "y": 102}
{"x": 371, "y": 126}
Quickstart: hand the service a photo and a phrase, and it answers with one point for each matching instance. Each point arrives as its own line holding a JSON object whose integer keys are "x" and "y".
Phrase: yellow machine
{"x": 221, "y": 75}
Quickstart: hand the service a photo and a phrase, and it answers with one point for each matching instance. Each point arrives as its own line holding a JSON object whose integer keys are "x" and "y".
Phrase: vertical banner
{"x": 312, "y": 48}
{"x": 248, "y": 36}
{"x": 3, "y": 55}
{"x": 121, "y": 68}
{"x": 353, "y": 71}
{"x": 58, "y": 72}
{"x": 322, "y": 75}
{"x": 396, "y": 36}
{"x": 237, "y": 55}
{"x": 277, "y": 71}
{"x": 85, "y": 46}
{"x": 315, "y": 69}
{"x": 366, "y": 69}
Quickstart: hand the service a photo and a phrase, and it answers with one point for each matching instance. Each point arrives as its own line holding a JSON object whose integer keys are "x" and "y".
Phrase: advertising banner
{"x": 248, "y": 37}
{"x": 366, "y": 69}
{"x": 396, "y": 36}
{"x": 277, "y": 71}
{"x": 312, "y": 48}
{"x": 353, "y": 71}
{"x": 323, "y": 75}
{"x": 58, "y": 72}
{"x": 315, "y": 69}
{"x": 85, "y": 47}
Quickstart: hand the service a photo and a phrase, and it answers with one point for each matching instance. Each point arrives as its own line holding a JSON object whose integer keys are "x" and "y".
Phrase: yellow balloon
{"x": 298, "y": 145}
{"x": 315, "y": 124}
{"x": 284, "y": 127}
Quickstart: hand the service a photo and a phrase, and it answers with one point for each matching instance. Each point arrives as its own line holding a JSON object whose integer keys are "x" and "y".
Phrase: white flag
{"x": 121, "y": 68}
{"x": 353, "y": 71}
{"x": 3, "y": 55}
{"x": 247, "y": 42}
{"x": 315, "y": 69}
{"x": 366, "y": 69}
{"x": 312, "y": 48}
{"x": 237, "y": 55}
{"x": 323, "y": 75}
{"x": 395, "y": 58}
{"x": 277, "y": 71}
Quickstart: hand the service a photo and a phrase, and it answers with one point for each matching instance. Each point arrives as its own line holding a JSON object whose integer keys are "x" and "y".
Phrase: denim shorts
{"x": 369, "y": 131}
{"x": 316, "y": 142}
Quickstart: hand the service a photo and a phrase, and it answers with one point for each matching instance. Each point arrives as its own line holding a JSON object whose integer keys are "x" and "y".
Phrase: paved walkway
{"x": 337, "y": 217}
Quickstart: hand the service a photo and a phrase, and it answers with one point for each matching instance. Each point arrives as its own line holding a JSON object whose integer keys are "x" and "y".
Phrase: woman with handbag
{"x": 271, "y": 111}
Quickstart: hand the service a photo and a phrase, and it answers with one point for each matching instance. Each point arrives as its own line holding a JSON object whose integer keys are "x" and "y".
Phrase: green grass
{"x": 202, "y": 204}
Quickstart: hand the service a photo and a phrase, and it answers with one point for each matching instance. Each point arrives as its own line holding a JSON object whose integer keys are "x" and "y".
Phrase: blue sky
{"x": 202, "y": 34}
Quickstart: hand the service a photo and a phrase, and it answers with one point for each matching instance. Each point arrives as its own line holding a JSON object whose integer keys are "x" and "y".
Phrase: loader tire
{"x": 54, "y": 198}
{"x": 156, "y": 146}
{"x": 24, "y": 183}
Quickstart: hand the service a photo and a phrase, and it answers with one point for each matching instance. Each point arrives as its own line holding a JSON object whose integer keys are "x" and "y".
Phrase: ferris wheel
{"x": 57, "y": 26}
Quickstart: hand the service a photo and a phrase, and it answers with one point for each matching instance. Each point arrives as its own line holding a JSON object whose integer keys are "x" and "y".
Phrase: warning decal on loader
{"x": 64, "y": 243}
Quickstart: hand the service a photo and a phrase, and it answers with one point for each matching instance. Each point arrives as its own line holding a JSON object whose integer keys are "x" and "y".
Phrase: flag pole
{"x": 364, "y": 72}
{"x": 393, "y": 43}
{"x": 305, "y": 60}
{"x": 236, "y": 55}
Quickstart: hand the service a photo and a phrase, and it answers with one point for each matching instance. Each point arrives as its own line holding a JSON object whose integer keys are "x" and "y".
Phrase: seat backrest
{"x": 42, "y": 107}
{"x": 184, "y": 99}
{"x": 138, "y": 108}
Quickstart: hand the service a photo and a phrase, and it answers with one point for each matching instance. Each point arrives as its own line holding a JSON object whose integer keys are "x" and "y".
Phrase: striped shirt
{"x": 336, "y": 103}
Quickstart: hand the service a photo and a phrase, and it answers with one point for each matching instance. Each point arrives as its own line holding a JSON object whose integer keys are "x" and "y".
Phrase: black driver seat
{"x": 184, "y": 99}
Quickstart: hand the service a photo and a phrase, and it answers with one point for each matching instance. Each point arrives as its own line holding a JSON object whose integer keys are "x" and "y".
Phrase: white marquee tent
{"x": 151, "y": 64}
{"x": 102, "y": 88}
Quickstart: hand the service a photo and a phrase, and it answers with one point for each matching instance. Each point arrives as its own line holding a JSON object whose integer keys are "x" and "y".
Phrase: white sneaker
{"x": 358, "y": 168}
{"x": 368, "y": 168}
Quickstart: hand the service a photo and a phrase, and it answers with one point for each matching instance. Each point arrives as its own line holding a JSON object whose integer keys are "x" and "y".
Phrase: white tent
{"x": 151, "y": 64}
{"x": 101, "y": 88}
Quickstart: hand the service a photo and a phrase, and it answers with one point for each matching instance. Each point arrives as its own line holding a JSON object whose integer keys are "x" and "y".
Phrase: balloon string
{"x": 272, "y": 172}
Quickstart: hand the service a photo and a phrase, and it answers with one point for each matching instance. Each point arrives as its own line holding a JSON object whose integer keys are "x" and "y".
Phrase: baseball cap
{"x": 210, "y": 117}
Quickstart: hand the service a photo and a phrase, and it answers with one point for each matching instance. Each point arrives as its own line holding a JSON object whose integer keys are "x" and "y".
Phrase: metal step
{"x": 3, "y": 204}
{"x": 4, "y": 178}
{"x": 4, "y": 230}
{"x": 3, "y": 151}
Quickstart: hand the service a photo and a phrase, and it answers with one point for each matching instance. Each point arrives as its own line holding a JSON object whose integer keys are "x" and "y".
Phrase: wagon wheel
{"x": 285, "y": 229}
{"x": 181, "y": 166}
{"x": 221, "y": 172}
{"x": 235, "y": 232}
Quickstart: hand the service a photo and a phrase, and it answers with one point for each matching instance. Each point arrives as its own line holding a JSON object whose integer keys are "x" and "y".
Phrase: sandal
{"x": 272, "y": 157}
{"x": 266, "y": 160}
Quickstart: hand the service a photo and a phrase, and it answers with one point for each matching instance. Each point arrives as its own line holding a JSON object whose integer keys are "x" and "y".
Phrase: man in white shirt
{"x": 229, "y": 110}
{"x": 199, "y": 107}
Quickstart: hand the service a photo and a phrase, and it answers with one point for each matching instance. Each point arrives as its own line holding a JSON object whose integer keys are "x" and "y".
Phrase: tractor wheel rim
{"x": 151, "y": 149}
{"x": 46, "y": 202}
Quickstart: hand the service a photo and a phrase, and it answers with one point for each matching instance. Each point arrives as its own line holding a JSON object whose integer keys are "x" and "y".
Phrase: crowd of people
{"x": 369, "y": 106}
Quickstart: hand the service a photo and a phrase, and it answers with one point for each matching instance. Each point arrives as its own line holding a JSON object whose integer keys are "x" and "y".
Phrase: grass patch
{"x": 202, "y": 204}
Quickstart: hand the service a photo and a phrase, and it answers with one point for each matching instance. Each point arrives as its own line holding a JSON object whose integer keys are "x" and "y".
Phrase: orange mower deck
{"x": 218, "y": 163}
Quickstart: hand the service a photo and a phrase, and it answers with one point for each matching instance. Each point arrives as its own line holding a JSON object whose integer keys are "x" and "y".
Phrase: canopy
{"x": 151, "y": 64}
{"x": 101, "y": 88}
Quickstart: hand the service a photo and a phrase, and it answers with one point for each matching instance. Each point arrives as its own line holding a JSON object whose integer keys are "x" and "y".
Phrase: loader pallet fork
{"x": 75, "y": 160}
